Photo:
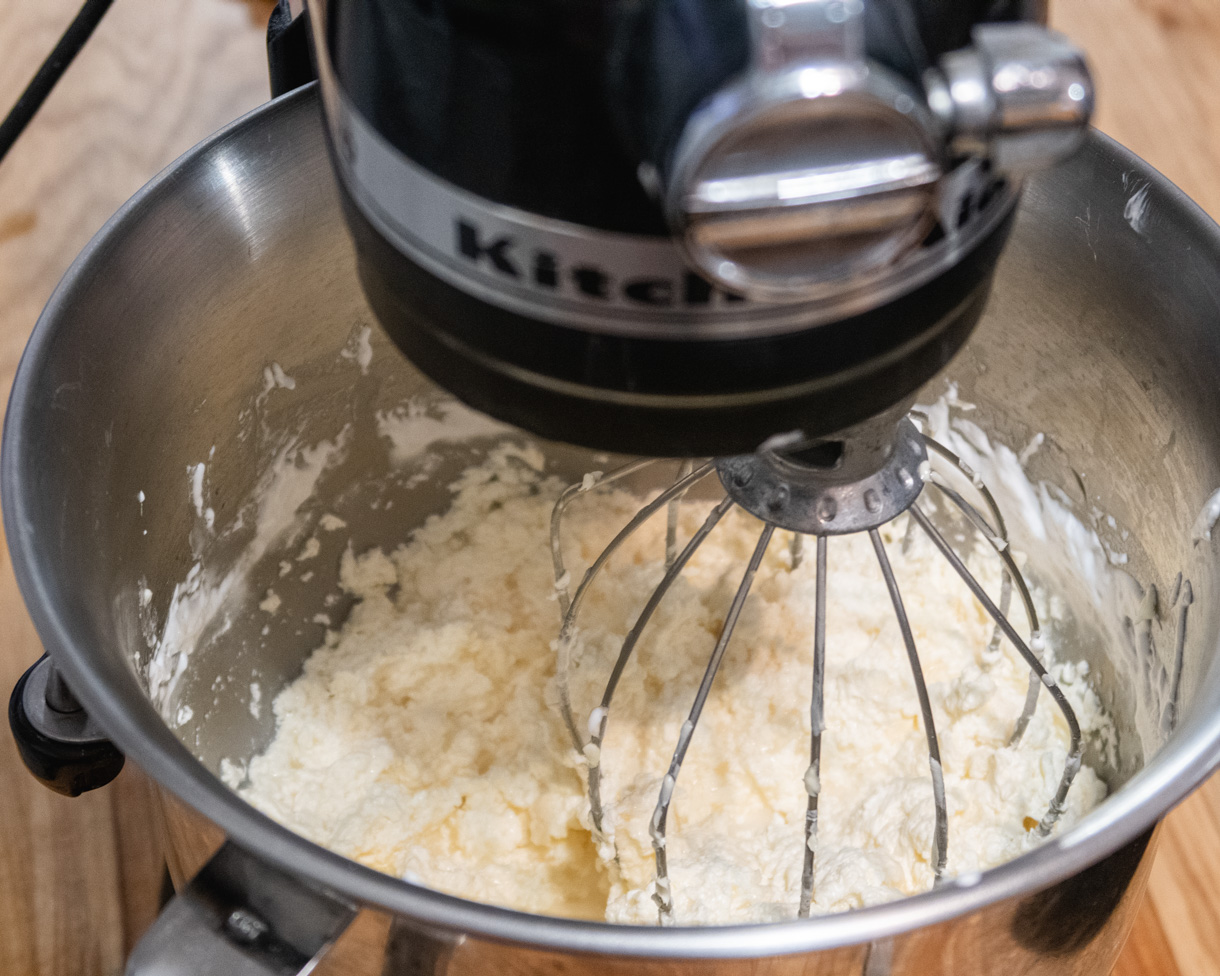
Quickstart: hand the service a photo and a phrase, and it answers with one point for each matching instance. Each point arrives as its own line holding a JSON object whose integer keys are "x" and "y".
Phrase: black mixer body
{"x": 684, "y": 227}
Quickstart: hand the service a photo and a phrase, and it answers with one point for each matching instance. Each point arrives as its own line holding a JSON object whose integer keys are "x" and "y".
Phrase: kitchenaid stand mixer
{"x": 757, "y": 251}
{"x": 747, "y": 229}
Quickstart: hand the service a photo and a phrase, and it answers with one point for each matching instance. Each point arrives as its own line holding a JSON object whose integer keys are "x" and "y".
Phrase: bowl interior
{"x": 209, "y": 383}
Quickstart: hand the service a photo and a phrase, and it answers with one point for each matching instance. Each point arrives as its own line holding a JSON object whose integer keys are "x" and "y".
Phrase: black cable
{"x": 52, "y": 70}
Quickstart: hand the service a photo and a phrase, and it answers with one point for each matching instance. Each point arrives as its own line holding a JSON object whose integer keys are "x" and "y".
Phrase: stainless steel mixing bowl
{"x": 1103, "y": 332}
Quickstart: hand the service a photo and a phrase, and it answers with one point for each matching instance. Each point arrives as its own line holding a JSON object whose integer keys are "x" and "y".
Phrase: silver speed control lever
{"x": 819, "y": 172}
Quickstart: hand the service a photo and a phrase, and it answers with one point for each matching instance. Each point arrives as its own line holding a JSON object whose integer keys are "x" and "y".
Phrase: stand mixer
{"x": 739, "y": 231}
{"x": 749, "y": 229}
{"x": 240, "y": 253}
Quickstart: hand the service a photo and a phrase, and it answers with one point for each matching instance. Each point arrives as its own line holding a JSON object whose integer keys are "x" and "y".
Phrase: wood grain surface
{"x": 80, "y": 879}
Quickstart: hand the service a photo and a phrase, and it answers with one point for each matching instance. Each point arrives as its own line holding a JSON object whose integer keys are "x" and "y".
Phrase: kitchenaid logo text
{"x": 545, "y": 271}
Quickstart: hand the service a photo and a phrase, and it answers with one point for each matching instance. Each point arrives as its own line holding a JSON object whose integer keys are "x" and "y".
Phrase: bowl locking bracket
{"x": 242, "y": 917}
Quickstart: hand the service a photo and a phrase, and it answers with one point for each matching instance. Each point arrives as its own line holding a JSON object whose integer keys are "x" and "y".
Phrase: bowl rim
{"x": 141, "y": 734}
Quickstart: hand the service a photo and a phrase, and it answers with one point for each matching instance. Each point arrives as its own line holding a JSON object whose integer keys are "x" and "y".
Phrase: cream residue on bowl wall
{"x": 201, "y": 606}
{"x": 1082, "y": 571}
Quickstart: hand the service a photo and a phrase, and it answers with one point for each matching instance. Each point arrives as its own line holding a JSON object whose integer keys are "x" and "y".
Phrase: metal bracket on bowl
{"x": 414, "y": 951}
{"x": 58, "y": 741}
{"x": 241, "y": 917}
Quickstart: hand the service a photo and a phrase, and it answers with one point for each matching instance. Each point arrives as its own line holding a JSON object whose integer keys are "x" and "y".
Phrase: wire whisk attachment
{"x": 808, "y": 493}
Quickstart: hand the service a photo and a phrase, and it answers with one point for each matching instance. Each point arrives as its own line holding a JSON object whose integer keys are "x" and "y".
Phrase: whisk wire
{"x": 940, "y": 840}
{"x": 590, "y": 483}
{"x": 671, "y": 516}
{"x": 998, "y": 537}
{"x": 1072, "y": 765}
{"x": 994, "y": 530}
{"x": 1011, "y": 572}
{"x": 796, "y": 549}
{"x": 663, "y": 895}
{"x": 813, "y": 776}
{"x": 573, "y": 609}
{"x": 936, "y": 446}
{"x": 601, "y": 716}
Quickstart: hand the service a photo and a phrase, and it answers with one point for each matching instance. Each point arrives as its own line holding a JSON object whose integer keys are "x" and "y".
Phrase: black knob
{"x": 57, "y": 741}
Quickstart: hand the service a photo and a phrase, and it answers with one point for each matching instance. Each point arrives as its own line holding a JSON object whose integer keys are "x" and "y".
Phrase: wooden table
{"x": 79, "y": 879}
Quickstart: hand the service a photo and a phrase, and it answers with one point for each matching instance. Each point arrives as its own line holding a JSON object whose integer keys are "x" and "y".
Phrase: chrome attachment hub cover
{"x": 816, "y": 490}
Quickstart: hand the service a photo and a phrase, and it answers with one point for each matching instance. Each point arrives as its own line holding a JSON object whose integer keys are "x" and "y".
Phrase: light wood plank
{"x": 60, "y": 853}
{"x": 1185, "y": 882}
{"x": 1148, "y": 950}
{"x": 140, "y": 858}
{"x": 80, "y": 879}
{"x": 1157, "y": 65}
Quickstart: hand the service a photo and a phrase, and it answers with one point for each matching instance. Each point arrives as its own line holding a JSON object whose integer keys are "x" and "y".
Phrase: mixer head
{"x": 749, "y": 229}
{"x": 744, "y": 229}
{"x": 682, "y": 227}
